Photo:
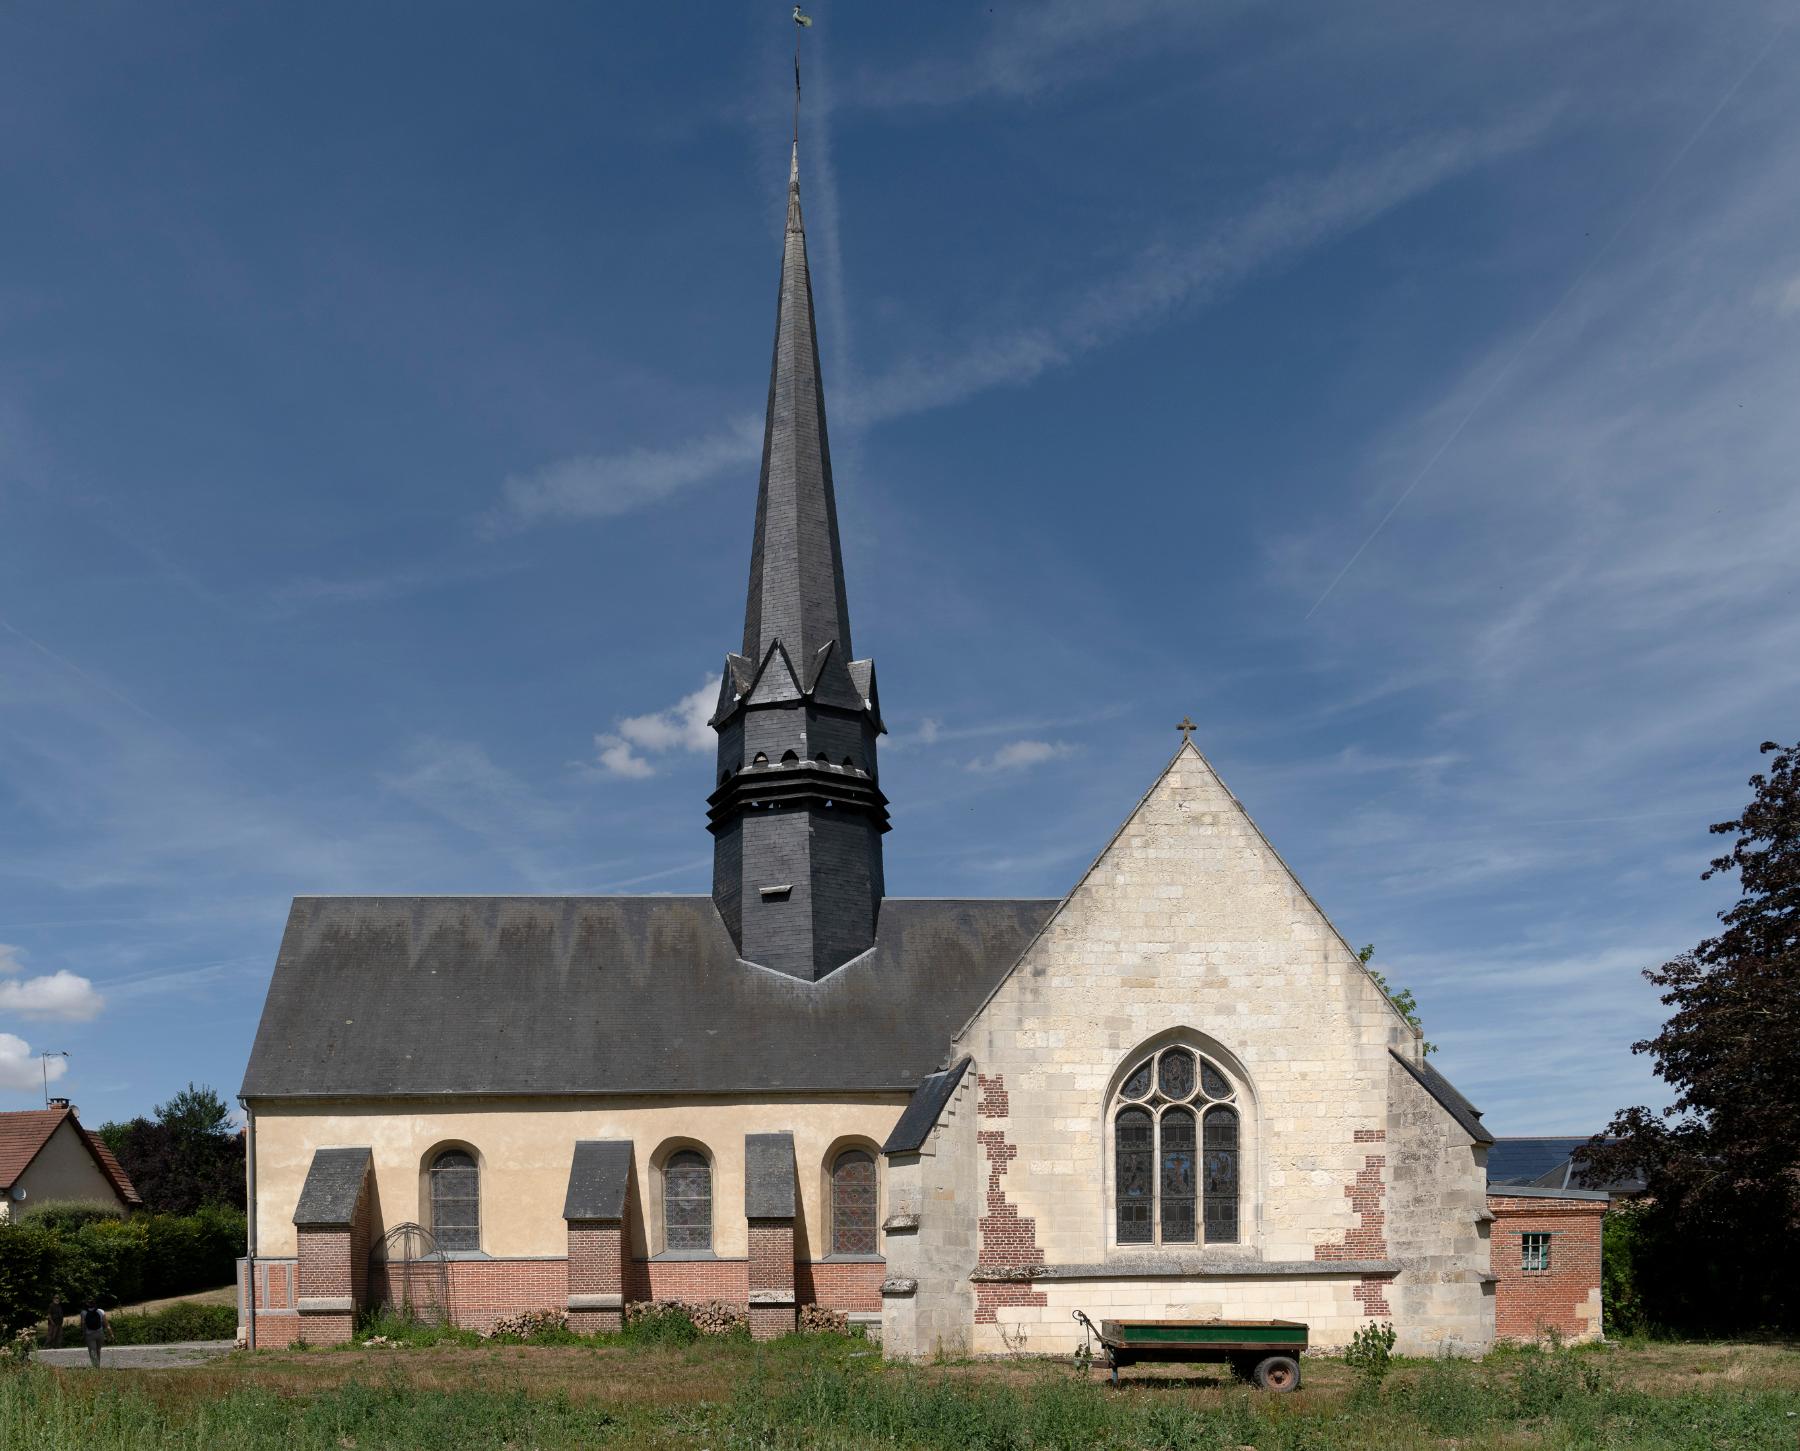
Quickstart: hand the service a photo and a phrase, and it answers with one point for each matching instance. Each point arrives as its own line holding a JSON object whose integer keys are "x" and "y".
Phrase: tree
{"x": 1402, "y": 998}
{"x": 1721, "y": 1164}
{"x": 187, "y": 1156}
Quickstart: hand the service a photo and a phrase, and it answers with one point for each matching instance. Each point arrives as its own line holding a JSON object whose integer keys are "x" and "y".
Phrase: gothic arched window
{"x": 687, "y": 1202}
{"x": 456, "y": 1200}
{"x": 1175, "y": 1152}
{"x": 853, "y": 1203}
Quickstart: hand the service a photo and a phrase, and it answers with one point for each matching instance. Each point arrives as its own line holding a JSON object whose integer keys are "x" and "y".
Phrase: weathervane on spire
{"x": 802, "y": 21}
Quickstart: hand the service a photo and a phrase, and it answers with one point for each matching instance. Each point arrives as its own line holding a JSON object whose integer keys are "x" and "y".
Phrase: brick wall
{"x": 771, "y": 1278}
{"x": 479, "y": 1291}
{"x": 848, "y": 1285}
{"x": 596, "y": 1267}
{"x": 1566, "y": 1297}
{"x": 326, "y": 1274}
{"x": 690, "y": 1280}
{"x": 1006, "y": 1238}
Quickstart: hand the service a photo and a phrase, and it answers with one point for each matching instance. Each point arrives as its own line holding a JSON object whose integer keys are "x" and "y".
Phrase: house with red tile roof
{"x": 46, "y": 1156}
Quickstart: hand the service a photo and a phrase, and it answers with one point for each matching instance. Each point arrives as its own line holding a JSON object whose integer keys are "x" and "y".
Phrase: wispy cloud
{"x": 627, "y": 748}
{"x": 603, "y": 486}
{"x": 1031, "y": 49}
{"x": 1292, "y": 217}
{"x": 1021, "y": 755}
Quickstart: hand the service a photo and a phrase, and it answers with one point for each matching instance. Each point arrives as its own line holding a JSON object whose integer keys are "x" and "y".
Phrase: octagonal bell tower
{"x": 797, "y": 818}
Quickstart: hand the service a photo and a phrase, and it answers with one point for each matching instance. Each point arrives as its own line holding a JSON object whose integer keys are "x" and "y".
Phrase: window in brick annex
{"x": 1175, "y": 1147}
{"x": 853, "y": 1203}
{"x": 1534, "y": 1251}
{"x": 687, "y": 1202}
{"x": 456, "y": 1200}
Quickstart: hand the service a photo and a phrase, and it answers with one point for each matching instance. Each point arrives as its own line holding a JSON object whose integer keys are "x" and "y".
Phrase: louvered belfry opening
{"x": 798, "y": 816}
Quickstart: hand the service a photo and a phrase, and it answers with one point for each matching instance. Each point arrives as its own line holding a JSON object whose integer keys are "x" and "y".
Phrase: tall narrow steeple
{"x": 797, "y": 818}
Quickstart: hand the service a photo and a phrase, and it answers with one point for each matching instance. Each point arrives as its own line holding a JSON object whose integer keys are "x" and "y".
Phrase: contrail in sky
{"x": 1544, "y": 322}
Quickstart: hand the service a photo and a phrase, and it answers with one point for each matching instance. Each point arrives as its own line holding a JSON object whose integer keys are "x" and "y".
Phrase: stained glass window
{"x": 853, "y": 1203}
{"x": 1221, "y": 1176}
{"x": 1177, "y": 1176}
{"x": 1138, "y": 1084}
{"x": 456, "y": 1200}
{"x": 1176, "y": 1075}
{"x": 1134, "y": 1149}
{"x": 1213, "y": 1081}
{"x": 687, "y": 1202}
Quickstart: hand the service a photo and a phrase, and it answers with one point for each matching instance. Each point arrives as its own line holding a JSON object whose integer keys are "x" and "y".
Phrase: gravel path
{"x": 141, "y": 1357}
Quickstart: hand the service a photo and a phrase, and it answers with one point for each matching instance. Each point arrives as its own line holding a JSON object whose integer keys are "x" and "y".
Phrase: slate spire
{"x": 797, "y": 817}
{"x": 796, "y": 565}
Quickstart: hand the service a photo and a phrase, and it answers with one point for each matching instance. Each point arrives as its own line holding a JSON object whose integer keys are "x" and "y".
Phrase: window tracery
{"x": 1176, "y": 1152}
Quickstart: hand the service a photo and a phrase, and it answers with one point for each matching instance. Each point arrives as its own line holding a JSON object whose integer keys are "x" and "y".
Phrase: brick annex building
{"x": 1174, "y": 1092}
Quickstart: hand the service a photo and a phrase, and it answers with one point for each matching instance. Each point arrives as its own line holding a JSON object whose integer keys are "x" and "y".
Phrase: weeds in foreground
{"x": 812, "y": 1393}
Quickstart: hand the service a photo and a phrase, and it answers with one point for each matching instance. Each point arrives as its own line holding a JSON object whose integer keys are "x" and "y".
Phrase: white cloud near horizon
{"x": 61, "y": 995}
{"x": 1292, "y": 217}
{"x": 21, "y": 1069}
{"x": 625, "y": 750}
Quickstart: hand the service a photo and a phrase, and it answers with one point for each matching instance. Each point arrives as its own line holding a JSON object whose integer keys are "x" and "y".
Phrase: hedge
{"x": 184, "y": 1320}
{"x": 114, "y": 1261}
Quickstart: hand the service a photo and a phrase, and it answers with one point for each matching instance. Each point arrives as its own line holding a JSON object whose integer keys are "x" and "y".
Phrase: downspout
{"x": 249, "y": 1222}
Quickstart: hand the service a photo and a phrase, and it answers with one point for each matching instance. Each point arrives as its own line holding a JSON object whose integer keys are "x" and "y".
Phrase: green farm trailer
{"x": 1265, "y": 1352}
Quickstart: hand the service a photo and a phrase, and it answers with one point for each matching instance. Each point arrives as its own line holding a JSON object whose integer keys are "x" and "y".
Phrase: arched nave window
{"x": 853, "y": 1203}
{"x": 1175, "y": 1148}
{"x": 687, "y": 1202}
{"x": 456, "y": 1200}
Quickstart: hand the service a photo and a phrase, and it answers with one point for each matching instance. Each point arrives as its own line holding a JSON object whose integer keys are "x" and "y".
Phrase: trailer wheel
{"x": 1277, "y": 1373}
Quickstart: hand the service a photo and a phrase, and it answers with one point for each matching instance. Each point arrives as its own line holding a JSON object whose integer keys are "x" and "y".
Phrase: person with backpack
{"x": 94, "y": 1329}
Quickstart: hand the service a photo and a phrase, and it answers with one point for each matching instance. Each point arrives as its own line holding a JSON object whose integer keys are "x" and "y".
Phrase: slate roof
{"x": 768, "y": 1176}
{"x": 1467, "y": 1116}
{"x": 796, "y": 567}
{"x": 923, "y": 1109}
{"x": 587, "y": 995}
{"x": 24, "y": 1134}
{"x": 599, "y": 1179}
{"x": 333, "y": 1185}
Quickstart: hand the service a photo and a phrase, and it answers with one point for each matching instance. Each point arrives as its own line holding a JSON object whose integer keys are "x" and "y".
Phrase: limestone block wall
{"x": 935, "y": 1198}
{"x": 1191, "y": 929}
{"x": 1437, "y": 1226}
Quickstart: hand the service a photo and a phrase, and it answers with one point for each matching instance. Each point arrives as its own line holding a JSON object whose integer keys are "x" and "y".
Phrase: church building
{"x": 1176, "y": 1092}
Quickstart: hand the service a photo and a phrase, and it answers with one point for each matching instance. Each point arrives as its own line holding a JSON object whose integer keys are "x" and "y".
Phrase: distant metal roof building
{"x": 1524, "y": 1160}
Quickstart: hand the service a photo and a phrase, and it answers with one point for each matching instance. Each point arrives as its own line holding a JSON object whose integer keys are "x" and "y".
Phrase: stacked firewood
{"x": 821, "y": 1319}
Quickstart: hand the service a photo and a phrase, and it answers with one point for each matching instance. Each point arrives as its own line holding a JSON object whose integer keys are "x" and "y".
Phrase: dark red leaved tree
{"x": 1722, "y": 1163}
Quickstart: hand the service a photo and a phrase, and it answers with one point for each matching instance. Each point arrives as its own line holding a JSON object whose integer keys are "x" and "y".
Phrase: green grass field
{"x": 825, "y": 1391}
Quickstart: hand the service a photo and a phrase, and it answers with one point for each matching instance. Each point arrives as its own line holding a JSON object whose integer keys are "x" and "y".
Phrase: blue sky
{"x": 1405, "y": 392}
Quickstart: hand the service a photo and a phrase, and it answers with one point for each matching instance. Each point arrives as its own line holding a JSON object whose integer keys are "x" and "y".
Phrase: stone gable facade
{"x": 1358, "y": 1196}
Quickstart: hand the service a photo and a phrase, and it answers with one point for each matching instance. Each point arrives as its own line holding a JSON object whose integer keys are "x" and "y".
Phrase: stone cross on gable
{"x": 1187, "y": 729}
